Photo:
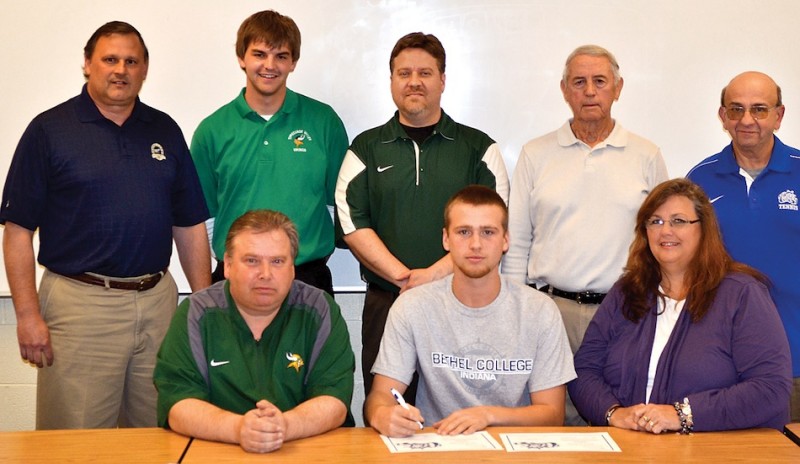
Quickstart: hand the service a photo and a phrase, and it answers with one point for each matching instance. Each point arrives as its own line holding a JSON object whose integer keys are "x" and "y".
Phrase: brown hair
{"x": 269, "y": 27}
{"x": 263, "y": 220}
{"x": 476, "y": 195}
{"x": 706, "y": 270}
{"x": 427, "y": 42}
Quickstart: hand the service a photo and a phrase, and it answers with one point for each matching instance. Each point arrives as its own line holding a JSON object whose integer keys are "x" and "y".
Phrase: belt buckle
{"x": 144, "y": 284}
{"x": 579, "y": 297}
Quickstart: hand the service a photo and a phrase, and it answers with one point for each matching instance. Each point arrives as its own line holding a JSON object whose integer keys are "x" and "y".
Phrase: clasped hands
{"x": 262, "y": 429}
{"x": 653, "y": 418}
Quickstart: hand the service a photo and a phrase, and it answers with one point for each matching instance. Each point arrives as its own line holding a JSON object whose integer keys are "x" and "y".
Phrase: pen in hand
{"x": 402, "y": 402}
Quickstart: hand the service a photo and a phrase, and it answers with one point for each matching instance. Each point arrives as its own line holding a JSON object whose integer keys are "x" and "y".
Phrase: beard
{"x": 476, "y": 272}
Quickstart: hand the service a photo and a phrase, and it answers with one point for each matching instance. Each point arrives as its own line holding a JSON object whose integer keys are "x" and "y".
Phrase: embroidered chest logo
{"x": 295, "y": 361}
{"x": 157, "y": 152}
{"x": 299, "y": 137}
{"x": 787, "y": 200}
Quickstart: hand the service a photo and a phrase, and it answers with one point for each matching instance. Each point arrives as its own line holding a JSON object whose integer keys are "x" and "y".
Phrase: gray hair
{"x": 593, "y": 50}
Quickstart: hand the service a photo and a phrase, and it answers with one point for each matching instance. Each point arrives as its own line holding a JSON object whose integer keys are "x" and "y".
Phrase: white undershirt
{"x": 668, "y": 312}
{"x": 748, "y": 179}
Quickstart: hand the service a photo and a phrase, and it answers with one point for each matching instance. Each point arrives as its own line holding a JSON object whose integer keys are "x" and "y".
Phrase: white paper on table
{"x": 427, "y": 442}
{"x": 593, "y": 441}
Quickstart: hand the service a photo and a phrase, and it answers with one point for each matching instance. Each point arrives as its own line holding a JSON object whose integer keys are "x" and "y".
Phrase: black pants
{"x": 315, "y": 273}
{"x": 377, "y": 302}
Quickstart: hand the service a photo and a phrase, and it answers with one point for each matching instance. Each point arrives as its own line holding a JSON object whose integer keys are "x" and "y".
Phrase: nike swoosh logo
{"x": 218, "y": 363}
{"x": 385, "y": 168}
{"x": 715, "y": 199}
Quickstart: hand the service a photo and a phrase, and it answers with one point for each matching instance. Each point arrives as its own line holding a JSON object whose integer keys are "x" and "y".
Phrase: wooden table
{"x": 793, "y": 431}
{"x": 118, "y": 446}
{"x": 363, "y": 445}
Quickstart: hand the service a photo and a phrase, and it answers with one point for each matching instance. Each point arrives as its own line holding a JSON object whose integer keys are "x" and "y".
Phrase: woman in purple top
{"x": 687, "y": 339}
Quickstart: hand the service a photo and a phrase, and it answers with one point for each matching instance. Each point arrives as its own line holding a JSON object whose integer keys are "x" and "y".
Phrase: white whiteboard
{"x": 504, "y": 63}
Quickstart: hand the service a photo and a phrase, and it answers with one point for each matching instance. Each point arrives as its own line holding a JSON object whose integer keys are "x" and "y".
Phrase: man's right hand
{"x": 34, "y": 339}
{"x": 262, "y": 429}
{"x": 396, "y": 421}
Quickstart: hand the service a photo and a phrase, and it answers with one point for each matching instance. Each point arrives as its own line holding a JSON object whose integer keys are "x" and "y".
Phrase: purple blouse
{"x": 733, "y": 365}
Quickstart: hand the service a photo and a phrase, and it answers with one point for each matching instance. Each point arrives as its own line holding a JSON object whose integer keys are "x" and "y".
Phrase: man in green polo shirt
{"x": 395, "y": 181}
{"x": 260, "y": 358}
{"x": 272, "y": 148}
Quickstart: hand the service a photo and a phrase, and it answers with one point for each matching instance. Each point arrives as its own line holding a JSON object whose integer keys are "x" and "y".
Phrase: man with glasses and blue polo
{"x": 753, "y": 184}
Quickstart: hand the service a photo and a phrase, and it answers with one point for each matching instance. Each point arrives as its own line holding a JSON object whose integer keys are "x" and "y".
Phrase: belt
{"x": 314, "y": 264}
{"x": 578, "y": 297}
{"x": 145, "y": 283}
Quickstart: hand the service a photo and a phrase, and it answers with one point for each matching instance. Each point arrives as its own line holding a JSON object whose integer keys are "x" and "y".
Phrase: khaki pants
{"x": 104, "y": 346}
{"x": 576, "y": 319}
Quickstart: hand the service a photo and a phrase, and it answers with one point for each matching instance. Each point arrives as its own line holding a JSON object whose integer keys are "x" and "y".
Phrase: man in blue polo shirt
{"x": 109, "y": 183}
{"x": 753, "y": 184}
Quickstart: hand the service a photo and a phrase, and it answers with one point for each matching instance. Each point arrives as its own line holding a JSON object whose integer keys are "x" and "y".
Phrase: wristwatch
{"x": 610, "y": 412}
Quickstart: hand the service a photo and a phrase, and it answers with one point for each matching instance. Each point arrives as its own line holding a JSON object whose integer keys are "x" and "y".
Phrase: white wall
{"x": 17, "y": 380}
{"x": 504, "y": 62}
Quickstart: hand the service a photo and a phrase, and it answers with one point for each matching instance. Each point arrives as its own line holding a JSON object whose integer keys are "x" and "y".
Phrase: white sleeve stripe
{"x": 701, "y": 165}
{"x": 494, "y": 161}
{"x": 351, "y": 167}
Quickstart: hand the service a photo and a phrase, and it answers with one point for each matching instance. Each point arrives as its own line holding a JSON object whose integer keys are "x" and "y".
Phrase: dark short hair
{"x": 107, "y": 29}
{"x": 269, "y": 27}
{"x": 476, "y": 195}
{"x": 427, "y": 42}
{"x": 263, "y": 220}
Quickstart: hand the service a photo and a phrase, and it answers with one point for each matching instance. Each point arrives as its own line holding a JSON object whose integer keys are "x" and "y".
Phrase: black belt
{"x": 579, "y": 297}
{"x": 145, "y": 283}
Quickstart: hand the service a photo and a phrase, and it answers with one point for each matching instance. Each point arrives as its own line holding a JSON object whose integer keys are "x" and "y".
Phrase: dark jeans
{"x": 377, "y": 302}
{"x": 315, "y": 273}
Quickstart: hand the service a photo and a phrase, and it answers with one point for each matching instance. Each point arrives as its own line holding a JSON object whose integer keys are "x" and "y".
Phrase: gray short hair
{"x": 593, "y": 50}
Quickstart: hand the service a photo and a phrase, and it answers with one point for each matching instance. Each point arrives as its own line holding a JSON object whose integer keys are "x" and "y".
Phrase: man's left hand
{"x": 465, "y": 421}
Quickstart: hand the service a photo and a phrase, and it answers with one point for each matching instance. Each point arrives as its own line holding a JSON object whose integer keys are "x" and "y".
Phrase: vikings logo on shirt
{"x": 157, "y": 152}
{"x": 296, "y": 361}
{"x": 299, "y": 137}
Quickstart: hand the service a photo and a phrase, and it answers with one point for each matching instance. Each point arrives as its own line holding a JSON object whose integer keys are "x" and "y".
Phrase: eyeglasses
{"x": 676, "y": 223}
{"x": 736, "y": 113}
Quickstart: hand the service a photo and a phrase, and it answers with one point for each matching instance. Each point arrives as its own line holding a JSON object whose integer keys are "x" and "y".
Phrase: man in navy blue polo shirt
{"x": 108, "y": 182}
{"x": 753, "y": 184}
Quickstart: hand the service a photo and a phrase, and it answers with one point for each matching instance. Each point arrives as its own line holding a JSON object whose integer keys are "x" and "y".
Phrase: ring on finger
{"x": 651, "y": 424}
